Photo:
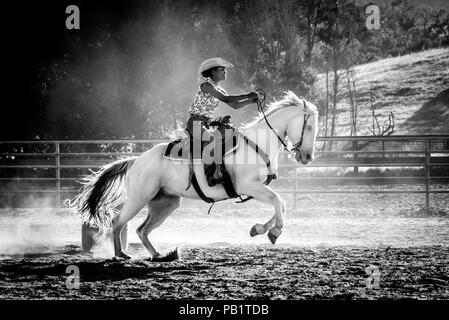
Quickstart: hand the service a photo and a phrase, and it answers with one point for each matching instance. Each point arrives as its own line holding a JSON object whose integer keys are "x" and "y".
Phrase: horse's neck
{"x": 265, "y": 138}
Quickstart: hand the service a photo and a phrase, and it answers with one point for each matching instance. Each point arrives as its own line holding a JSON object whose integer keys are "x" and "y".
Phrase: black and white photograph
{"x": 242, "y": 151}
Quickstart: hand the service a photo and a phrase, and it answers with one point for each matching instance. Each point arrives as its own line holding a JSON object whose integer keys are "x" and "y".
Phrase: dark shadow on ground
{"x": 23, "y": 267}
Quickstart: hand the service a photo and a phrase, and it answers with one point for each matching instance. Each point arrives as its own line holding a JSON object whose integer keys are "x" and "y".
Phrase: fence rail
{"x": 62, "y": 162}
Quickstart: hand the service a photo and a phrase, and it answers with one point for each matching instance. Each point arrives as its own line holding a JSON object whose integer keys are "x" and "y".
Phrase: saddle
{"x": 193, "y": 151}
{"x": 182, "y": 149}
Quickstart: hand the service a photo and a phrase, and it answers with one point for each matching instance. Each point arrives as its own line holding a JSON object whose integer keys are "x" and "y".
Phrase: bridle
{"x": 297, "y": 146}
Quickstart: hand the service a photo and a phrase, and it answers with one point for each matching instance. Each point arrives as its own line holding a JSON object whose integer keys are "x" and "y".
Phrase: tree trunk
{"x": 326, "y": 111}
{"x": 335, "y": 54}
{"x": 312, "y": 22}
{"x": 334, "y": 103}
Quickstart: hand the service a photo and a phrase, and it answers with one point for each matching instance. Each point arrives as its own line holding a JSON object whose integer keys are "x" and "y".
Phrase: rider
{"x": 207, "y": 99}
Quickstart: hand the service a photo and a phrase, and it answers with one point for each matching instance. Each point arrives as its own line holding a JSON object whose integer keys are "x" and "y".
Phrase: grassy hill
{"x": 414, "y": 87}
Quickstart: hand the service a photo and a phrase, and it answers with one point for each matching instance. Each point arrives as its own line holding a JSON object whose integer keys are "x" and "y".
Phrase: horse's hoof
{"x": 169, "y": 257}
{"x": 122, "y": 256}
{"x": 273, "y": 234}
{"x": 253, "y": 231}
{"x": 257, "y": 229}
{"x": 272, "y": 237}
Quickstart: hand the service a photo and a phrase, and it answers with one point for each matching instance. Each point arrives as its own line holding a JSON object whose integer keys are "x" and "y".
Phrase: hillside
{"x": 414, "y": 87}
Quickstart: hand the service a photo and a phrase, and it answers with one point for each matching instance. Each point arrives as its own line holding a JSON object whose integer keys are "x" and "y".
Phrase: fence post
{"x": 427, "y": 149}
{"x": 295, "y": 189}
{"x": 355, "y": 155}
{"x": 58, "y": 176}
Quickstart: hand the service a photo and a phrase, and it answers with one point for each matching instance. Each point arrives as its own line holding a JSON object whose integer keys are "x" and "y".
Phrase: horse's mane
{"x": 289, "y": 99}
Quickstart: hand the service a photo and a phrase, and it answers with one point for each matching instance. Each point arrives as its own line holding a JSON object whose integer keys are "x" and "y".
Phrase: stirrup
{"x": 220, "y": 177}
{"x": 213, "y": 182}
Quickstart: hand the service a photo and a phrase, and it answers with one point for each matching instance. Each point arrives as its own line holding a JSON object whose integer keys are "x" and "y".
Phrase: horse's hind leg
{"x": 129, "y": 210}
{"x": 124, "y": 237}
{"x": 124, "y": 233}
{"x": 159, "y": 208}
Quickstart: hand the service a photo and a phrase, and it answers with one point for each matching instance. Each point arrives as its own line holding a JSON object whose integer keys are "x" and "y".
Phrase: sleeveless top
{"x": 204, "y": 104}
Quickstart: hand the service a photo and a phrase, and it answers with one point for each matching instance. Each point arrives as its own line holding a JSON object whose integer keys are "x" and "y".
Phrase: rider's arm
{"x": 234, "y": 101}
{"x": 240, "y": 104}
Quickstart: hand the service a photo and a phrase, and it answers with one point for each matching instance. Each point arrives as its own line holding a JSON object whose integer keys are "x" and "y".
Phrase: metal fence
{"x": 53, "y": 167}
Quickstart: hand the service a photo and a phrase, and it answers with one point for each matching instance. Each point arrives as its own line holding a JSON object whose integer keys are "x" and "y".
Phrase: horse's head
{"x": 302, "y": 128}
{"x": 295, "y": 118}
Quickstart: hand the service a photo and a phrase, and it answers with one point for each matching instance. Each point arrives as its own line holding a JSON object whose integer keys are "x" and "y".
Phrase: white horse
{"x": 154, "y": 180}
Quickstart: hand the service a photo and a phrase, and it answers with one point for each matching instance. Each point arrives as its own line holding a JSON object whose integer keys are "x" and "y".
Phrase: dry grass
{"x": 403, "y": 85}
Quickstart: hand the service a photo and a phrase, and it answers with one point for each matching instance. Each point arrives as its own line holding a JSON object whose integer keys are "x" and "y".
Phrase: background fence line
{"x": 56, "y": 158}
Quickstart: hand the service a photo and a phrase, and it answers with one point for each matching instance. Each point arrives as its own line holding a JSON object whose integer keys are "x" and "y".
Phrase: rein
{"x": 260, "y": 108}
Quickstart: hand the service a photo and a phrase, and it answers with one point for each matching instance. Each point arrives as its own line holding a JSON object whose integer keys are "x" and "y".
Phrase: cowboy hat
{"x": 214, "y": 62}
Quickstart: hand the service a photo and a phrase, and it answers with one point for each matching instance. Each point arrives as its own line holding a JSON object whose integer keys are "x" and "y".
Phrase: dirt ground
{"x": 233, "y": 272}
{"x": 327, "y": 244}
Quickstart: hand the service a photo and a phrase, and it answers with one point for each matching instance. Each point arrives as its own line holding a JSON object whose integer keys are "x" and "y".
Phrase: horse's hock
{"x": 88, "y": 240}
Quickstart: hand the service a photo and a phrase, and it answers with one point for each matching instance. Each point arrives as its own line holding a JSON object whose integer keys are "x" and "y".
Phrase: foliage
{"x": 130, "y": 71}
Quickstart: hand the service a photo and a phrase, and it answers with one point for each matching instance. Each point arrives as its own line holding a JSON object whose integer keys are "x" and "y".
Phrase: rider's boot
{"x": 218, "y": 175}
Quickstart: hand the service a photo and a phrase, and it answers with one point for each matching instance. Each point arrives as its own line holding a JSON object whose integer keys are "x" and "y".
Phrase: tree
{"x": 339, "y": 32}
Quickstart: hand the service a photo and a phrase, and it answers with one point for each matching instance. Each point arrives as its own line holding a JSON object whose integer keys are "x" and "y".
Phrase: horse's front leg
{"x": 266, "y": 195}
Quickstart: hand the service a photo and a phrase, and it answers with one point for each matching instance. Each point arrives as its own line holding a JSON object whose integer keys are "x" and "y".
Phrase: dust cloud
{"x": 32, "y": 231}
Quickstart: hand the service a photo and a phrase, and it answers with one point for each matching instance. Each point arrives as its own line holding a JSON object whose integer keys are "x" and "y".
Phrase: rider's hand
{"x": 253, "y": 97}
{"x": 253, "y": 94}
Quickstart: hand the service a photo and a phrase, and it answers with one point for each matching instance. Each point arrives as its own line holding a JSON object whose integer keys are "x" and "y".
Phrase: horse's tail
{"x": 102, "y": 192}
